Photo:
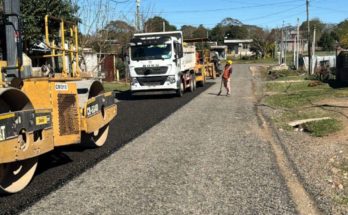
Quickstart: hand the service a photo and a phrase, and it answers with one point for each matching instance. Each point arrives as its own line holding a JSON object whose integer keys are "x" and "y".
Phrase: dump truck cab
{"x": 160, "y": 62}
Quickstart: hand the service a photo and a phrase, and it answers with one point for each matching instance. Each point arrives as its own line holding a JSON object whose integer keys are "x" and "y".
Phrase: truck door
{"x": 178, "y": 54}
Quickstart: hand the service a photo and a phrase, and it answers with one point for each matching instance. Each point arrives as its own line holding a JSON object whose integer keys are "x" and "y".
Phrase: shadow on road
{"x": 127, "y": 96}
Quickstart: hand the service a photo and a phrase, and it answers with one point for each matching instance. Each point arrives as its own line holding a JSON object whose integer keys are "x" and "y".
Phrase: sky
{"x": 263, "y": 13}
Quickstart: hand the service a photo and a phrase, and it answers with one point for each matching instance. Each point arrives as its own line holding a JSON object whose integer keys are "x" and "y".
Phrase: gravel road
{"x": 205, "y": 158}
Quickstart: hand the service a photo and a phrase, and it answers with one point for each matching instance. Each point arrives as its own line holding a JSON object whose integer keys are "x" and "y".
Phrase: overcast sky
{"x": 264, "y": 13}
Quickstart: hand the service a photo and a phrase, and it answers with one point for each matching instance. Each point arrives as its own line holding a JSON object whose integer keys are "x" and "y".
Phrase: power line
{"x": 120, "y": 2}
{"x": 222, "y": 9}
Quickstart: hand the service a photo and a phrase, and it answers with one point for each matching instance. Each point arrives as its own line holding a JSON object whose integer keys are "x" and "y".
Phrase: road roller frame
{"x": 204, "y": 67}
{"x": 41, "y": 113}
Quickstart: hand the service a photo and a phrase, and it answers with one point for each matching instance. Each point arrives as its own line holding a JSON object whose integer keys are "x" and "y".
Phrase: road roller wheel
{"x": 97, "y": 138}
{"x": 15, "y": 176}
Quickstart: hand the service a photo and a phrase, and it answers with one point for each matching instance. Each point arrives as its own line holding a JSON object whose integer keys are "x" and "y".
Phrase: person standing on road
{"x": 226, "y": 77}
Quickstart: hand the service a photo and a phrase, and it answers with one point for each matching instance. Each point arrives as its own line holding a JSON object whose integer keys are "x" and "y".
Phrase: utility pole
{"x": 164, "y": 26}
{"x": 285, "y": 45}
{"x": 294, "y": 49}
{"x": 137, "y": 18}
{"x": 308, "y": 39}
{"x": 298, "y": 42}
{"x": 282, "y": 47}
{"x": 313, "y": 49}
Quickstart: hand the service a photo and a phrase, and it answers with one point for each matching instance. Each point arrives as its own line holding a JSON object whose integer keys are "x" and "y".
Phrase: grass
{"x": 295, "y": 101}
{"x": 116, "y": 86}
{"x": 323, "y": 127}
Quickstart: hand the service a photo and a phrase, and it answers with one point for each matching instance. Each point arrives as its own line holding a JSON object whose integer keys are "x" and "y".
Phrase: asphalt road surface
{"x": 208, "y": 157}
{"x": 60, "y": 166}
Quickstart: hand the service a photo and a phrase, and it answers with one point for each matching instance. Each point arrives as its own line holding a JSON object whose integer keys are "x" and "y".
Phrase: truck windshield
{"x": 151, "y": 52}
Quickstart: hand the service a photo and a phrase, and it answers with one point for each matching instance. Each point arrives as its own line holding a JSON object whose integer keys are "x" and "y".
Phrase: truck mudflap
{"x": 98, "y": 112}
{"x": 25, "y": 134}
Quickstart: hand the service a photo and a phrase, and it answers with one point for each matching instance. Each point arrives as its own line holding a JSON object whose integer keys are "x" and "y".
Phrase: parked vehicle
{"x": 161, "y": 62}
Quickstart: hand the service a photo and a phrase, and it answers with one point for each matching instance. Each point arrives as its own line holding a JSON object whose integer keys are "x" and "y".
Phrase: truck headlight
{"x": 134, "y": 81}
{"x": 171, "y": 79}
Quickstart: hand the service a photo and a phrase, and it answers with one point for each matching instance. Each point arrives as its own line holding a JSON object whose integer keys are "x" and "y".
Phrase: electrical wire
{"x": 222, "y": 9}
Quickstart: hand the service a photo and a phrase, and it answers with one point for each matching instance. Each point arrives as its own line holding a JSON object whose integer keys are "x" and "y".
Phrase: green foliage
{"x": 231, "y": 29}
{"x": 34, "y": 11}
{"x": 236, "y": 32}
{"x": 314, "y": 23}
{"x": 342, "y": 33}
{"x": 188, "y": 31}
{"x": 200, "y": 32}
{"x": 114, "y": 86}
{"x": 218, "y": 33}
{"x": 323, "y": 127}
{"x": 155, "y": 24}
{"x": 327, "y": 41}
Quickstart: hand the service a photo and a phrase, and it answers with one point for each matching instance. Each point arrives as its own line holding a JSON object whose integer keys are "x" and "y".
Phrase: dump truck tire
{"x": 180, "y": 91}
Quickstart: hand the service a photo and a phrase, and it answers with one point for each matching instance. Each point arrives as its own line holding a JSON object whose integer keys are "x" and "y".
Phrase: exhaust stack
{"x": 13, "y": 37}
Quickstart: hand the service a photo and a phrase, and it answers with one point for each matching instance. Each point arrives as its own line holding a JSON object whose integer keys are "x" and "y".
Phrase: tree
{"x": 236, "y": 32}
{"x": 218, "y": 33}
{"x": 230, "y": 28}
{"x": 120, "y": 31}
{"x": 187, "y": 31}
{"x": 314, "y": 23}
{"x": 34, "y": 11}
{"x": 155, "y": 24}
{"x": 200, "y": 32}
{"x": 341, "y": 31}
{"x": 259, "y": 44}
{"x": 327, "y": 41}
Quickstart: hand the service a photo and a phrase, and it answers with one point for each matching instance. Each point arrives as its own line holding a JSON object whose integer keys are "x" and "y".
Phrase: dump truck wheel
{"x": 15, "y": 176}
{"x": 194, "y": 84}
{"x": 191, "y": 86}
{"x": 180, "y": 91}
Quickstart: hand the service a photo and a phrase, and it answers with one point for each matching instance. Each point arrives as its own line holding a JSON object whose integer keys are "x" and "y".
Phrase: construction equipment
{"x": 204, "y": 66}
{"x": 42, "y": 108}
{"x": 161, "y": 62}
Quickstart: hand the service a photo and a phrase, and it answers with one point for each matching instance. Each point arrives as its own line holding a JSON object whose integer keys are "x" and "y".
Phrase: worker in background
{"x": 216, "y": 62}
{"x": 226, "y": 77}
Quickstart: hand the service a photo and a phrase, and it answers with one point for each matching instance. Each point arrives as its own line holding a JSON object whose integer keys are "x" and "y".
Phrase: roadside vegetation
{"x": 294, "y": 97}
{"x": 116, "y": 86}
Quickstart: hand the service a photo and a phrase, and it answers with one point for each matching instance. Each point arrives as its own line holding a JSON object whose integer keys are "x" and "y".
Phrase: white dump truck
{"x": 161, "y": 63}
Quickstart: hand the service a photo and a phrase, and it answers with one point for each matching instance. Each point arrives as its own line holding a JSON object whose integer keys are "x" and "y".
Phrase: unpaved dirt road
{"x": 208, "y": 157}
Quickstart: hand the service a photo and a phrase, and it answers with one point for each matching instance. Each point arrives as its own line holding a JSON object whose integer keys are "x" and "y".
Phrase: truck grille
{"x": 151, "y": 70}
{"x": 68, "y": 115}
{"x": 152, "y": 81}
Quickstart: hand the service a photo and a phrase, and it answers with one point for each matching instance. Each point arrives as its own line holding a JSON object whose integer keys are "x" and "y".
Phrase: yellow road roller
{"x": 47, "y": 106}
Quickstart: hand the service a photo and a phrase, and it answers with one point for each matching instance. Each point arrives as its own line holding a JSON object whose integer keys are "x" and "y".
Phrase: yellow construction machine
{"x": 204, "y": 66}
{"x": 42, "y": 108}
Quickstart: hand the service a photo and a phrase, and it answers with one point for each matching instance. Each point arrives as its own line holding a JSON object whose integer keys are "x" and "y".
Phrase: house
{"x": 99, "y": 65}
{"x": 290, "y": 41}
{"x": 238, "y": 47}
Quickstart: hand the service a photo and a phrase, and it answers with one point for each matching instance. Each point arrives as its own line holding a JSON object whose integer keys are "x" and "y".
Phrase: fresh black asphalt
{"x": 135, "y": 116}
